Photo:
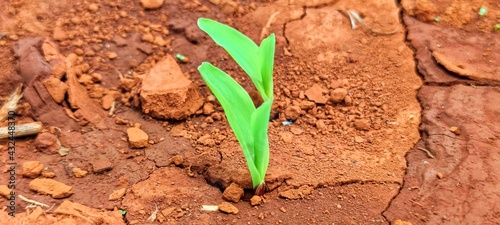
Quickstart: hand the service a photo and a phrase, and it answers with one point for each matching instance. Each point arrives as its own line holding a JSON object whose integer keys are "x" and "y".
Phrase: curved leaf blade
{"x": 266, "y": 63}
{"x": 238, "y": 107}
{"x": 241, "y": 48}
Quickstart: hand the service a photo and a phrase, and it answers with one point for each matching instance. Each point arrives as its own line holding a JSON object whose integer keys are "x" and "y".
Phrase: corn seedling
{"x": 249, "y": 123}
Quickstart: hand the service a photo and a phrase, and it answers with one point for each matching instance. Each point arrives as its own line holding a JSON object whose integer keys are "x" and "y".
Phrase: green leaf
{"x": 259, "y": 124}
{"x": 266, "y": 64}
{"x": 238, "y": 107}
{"x": 241, "y": 48}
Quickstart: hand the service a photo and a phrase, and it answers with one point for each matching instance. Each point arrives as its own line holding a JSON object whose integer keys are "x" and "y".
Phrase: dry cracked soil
{"x": 394, "y": 122}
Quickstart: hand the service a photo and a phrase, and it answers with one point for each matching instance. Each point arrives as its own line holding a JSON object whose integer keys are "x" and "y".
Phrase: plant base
{"x": 260, "y": 189}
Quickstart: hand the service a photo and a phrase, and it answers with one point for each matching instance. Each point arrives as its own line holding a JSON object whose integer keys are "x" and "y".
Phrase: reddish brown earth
{"x": 363, "y": 105}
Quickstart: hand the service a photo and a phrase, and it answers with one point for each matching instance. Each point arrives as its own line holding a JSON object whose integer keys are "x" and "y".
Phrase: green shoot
{"x": 249, "y": 124}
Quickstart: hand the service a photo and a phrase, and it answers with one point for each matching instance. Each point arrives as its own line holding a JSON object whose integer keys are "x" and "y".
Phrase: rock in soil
{"x": 67, "y": 213}
{"x": 362, "y": 124}
{"x": 79, "y": 172}
{"x": 401, "y": 222}
{"x": 32, "y": 169}
{"x": 151, "y": 4}
{"x": 233, "y": 193}
{"x": 4, "y": 191}
{"x": 338, "y": 95}
{"x": 117, "y": 194}
{"x": 228, "y": 208}
{"x": 46, "y": 143}
{"x": 137, "y": 137}
{"x": 299, "y": 193}
{"x": 255, "y": 200}
{"x": 167, "y": 93}
{"x": 292, "y": 112}
{"x": 51, "y": 187}
{"x": 315, "y": 94}
{"x": 56, "y": 88}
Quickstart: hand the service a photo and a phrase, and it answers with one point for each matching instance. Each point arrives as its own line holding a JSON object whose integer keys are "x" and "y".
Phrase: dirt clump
{"x": 137, "y": 138}
{"x": 167, "y": 94}
{"x": 46, "y": 143}
{"x": 228, "y": 208}
{"x": 31, "y": 169}
{"x": 51, "y": 187}
{"x": 117, "y": 194}
{"x": 79, "y": 173}
{"x": 152, "y": 4}
{"x": 255, "y": 200}
{"x": 233, "y": 193}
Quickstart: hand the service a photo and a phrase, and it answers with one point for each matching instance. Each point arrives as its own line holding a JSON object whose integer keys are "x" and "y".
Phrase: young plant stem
{"x": 260, "y": 189}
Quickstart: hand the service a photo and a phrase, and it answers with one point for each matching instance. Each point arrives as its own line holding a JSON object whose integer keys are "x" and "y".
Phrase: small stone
{"x": 320, "y": 124}
{"x": 255, "y": 200}
{"x": 338, "y": 95}
{"x": 85, "y": 79}
{"x": 160, "y": 41}
{"x": 228, "y": 208}
{"x": 282, "y": 209}
{"x": 439, "y": 175}
{"x": 296, "y": 130}
{"x": 137, "y": 137}
{"x": 151, "y": 4}
{"x": 358, "y": 139}
{"x": 233, "y": 193}
{"x": 59, "y": 34}
{"x": 206, "y": 140}
{"x": 48, "y": 174}
{"x": 93, "y": 7}
{"x": 208, "y": 108}
{"x": 112, "y": 55}
{"x": 177, "y": 160}
{"x": 117, "y": 194}
{"x": 47, "y": 143}
{"x": 315, "y": 94}
{"x": 101, "y": 165}
{"x": 348, "y": 100}
{"x": 96, "y": 77}
{"x": 306, "y": 105}
{"x": 79, "y": 172}
{"x": 401, "y": 222}
{"x": 292, "y": 112}
{"x": 362, "y": 124}
{"x": 335, "y": 84}
{"x": 148, "y": 38}
{"x": 51, "y": 187}
{"x": 299, "y": 193}
{"x": 107, "y": 100}
{"x": 32, "y": 169}
{"x": 56, "y": 88}
{"x": 287, "y": 137}
{"x": 166, "y": 93}
{"x": 455, "y": 130}
{"x": 4, "y": 191}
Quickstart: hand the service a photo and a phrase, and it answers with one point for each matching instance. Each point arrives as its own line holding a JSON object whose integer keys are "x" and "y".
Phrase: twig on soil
{"x": 22, "y": 130}
{"x": 265, "y": 30}
{"x": 210, "y": 208}
{"x": 416, "y": 203}
{"x": 113, "y": 108}
{"x": 11, "y": 104}
{"x": 354, "y": 16}
{"x": 152, "y": 218}
{"x": 33, "y": 202}
{"x": 429, "y": 154}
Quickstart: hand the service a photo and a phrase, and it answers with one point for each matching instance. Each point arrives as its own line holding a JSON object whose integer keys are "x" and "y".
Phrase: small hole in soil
{"x": 247, "y": 195}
